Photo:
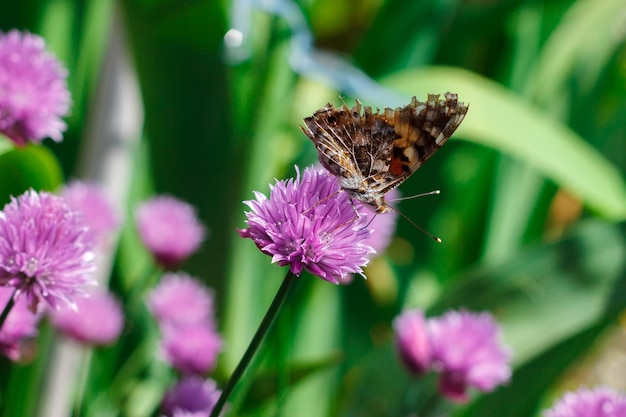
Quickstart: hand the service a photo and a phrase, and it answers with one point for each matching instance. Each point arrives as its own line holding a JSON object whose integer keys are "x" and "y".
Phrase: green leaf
{"x": 580, "y": 45}
{"x": 266, "y": 386}
{"x": 501, "y": 119}
{"x": 20, "y": 383}
{"x": 31, "y": 167}
{"x": 548, "y": 293}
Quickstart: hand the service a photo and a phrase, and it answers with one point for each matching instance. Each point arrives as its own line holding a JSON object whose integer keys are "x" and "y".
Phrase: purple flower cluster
{"x": 191, "y": 348}
{"x": 464, "y": 347}
{"x": 97, "y": 319}
{"x": 181, "y": 299}
{"x": 184, "y": 310}
{"x": 45, "y": 250}
{"x": 33, "y": 90}
{"x": 170, "y": 229}
{"x": 98, "y": 211}
{"x": 599, "y": 402}
{"x": 191, "y": 396}
{"x": 308, "y": 223}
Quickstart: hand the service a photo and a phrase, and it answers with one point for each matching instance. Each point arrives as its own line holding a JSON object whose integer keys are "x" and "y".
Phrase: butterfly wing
{"x": 421, "y": 130}
{"x": 351, "y": 142}
{"x": 372, "y": 153}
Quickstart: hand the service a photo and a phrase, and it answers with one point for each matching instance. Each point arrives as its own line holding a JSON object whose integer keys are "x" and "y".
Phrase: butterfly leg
{"x": 323, "y": 200}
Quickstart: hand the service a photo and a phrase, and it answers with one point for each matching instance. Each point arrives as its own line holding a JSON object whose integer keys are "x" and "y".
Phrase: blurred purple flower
{"x": 383, "y": 225}
{"x": 192, "y": 394}
{"x": 308, "y": 224}
{"x": 170, "y": 229}
{"x": 98, "y": 212}
{"x": 33, "y": 90}
{"x": 184, "y": 413}
{"x": 467, "y": 350}
{"x": 45, "y": 251}
{"x": 181, "y": 299}
{"x": 97, "y": 320}
{"x": 599, "y": 402}
{"x": 191, "y": 348}
{"x": 412, "y": 341}
{"x": 19, "y": 327}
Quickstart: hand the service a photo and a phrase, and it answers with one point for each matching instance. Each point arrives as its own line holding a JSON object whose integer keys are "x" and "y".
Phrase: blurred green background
{"x": 202, "y": 99}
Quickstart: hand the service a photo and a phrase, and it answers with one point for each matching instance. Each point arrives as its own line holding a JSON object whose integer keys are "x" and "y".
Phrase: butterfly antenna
{"x": 435, "y": 192}
{"x": 426, "y": 232}
{"x": 421, "y": 229}
{"x": 371, "y": 220}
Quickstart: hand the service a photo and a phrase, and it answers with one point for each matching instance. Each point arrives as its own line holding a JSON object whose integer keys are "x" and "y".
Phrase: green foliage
{"x": 546, "y": 89}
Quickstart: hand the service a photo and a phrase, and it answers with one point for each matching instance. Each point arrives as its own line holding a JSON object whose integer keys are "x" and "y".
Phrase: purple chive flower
{"x": 181, "y": 299}
{"x": 45, "y": 251}
{"x": 33, "y": 91}
{"x": 191, "y": 348}
{"x": 412, "y": 341}
{"x": 192, "y": 394}
{"x": 466, "y": 349}
{"x": 599, "y": 402}
{"x": 184, "y": 309}
{"x": 170, "y": 229}
{"x": 97, "y": 319}
{"x": 18, "y": 329}
{"x": 98, "y": 212}
{"x": 307, "y": 223}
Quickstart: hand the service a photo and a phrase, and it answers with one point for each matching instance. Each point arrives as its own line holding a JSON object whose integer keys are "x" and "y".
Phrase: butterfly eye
{"x": 331, "y": 120}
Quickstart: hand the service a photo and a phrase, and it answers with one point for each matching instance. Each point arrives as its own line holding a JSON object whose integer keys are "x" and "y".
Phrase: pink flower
{"x": 191, "y": 348}
{"x": 307, "y": 223}
{"x": 98, "y": 212}
{"x": 45, "y": 251}
{"x": 170, "y": 229}
{"x": 412, "y": 341}
{"x": 97, "y": 319}
{"x": 599, "y": 402}
{"x": 33, "y": 90}
{"x": 181, "y": 299}
{"x": 467, "y": 351}
{"x": 463, "y": 347}
{"x": 184, "y": 310}
{"x": 191, "y": 395}
{"x": 18, "y": 329}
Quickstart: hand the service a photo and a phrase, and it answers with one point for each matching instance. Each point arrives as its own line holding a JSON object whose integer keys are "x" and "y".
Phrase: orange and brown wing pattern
{"x": 372, "y": 153}
{"x": 331, "y": 129}
{"x": 350, "y": 143}
{"x": 421, "y": 129}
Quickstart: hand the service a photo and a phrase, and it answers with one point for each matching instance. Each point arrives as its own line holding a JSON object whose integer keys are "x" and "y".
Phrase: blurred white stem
{"x": 106, "y": 157}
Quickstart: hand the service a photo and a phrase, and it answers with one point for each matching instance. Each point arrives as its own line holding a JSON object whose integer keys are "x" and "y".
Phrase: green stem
{"x": 7, "y": 309}
{"x": 147, "y": 279}
{"x": 265, "y": 325}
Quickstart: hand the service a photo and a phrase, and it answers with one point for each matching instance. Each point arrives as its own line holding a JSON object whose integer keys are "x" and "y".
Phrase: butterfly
{"x": 372, "y": 153}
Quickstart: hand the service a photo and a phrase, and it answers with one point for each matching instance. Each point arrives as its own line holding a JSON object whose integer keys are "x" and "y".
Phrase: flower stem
{"x": 265, "y": 325}
{"x": 7, "y": 309}
{"x": 146, "y": 280}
